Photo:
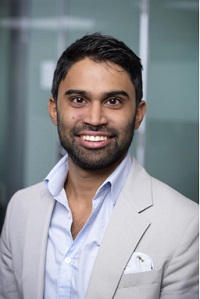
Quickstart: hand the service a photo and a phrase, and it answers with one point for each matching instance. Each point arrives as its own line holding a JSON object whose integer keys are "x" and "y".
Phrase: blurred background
{"x": 34, "y": 33}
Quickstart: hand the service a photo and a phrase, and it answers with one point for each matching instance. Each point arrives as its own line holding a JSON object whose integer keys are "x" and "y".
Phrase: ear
{"x": 52, "y": 109}
{"x": 140, "y": 113}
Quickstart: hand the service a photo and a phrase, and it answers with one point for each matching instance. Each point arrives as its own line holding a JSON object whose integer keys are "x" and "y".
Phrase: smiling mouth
{"x": 94, "y": 138}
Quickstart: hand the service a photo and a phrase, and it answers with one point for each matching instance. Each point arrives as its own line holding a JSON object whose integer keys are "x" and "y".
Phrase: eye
{"x": 78, "y": 102}
{"x": 113, "y": 102}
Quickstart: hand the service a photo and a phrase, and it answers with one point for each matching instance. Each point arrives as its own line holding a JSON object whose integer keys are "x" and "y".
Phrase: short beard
{"x": 95, "y": 159}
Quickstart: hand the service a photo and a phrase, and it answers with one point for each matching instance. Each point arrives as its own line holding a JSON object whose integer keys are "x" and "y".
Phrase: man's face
{"x": 95, "y": 113}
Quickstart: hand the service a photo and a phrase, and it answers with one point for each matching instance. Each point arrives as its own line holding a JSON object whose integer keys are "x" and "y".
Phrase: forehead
{"x": 88, "y": 72}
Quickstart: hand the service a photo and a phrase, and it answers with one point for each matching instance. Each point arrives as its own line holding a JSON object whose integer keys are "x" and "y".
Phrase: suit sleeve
{"x": 8, "y": 282}
{"x": 180, "y": 280}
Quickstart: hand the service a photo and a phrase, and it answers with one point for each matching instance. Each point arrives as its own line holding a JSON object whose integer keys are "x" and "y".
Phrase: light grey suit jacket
{"x": 149, "y": 217}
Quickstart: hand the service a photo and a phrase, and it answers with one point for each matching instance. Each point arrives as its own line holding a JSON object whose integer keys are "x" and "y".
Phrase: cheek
{"x": 76, "y": 117}
{"x": 72, "y": 113}
{"x": 68, "y": 118}
{"x": 123, "y": 121}
{"x": 125, "y": 127}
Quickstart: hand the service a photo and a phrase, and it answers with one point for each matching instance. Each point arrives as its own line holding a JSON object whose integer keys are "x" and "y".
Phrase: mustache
{"x": 100, "y": 128}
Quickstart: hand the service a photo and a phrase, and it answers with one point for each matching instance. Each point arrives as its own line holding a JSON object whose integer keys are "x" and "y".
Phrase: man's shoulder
{"x": 30, "y": 191}
{"x": 162, "y": 195}
{"x": 29, "y": 195}
{"x": 26, "y": 202}
{"x": 170, "y": 213}
{"x": 166, "y": 195}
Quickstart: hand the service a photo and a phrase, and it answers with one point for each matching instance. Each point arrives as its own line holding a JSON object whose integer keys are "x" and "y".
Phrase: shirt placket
{"x": 65, "y": 286}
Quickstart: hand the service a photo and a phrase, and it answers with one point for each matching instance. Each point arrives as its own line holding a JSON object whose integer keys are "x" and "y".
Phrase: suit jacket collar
{"x": 35, "y": 245}
{"x": 124, "y": 231}
{"x": 138, "y": 189}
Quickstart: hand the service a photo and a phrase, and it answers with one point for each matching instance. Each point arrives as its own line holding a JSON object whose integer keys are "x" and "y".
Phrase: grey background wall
{"x": 34, "y": 33}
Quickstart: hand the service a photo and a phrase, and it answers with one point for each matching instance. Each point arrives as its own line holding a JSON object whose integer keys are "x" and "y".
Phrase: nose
{"x": 95, "y": 115}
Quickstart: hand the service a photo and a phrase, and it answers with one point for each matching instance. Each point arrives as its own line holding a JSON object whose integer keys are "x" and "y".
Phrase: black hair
{"x": 99, "y": 48}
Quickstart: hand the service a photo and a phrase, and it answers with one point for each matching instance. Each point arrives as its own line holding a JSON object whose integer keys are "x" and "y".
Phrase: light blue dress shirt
{"x": 69, "y": 262}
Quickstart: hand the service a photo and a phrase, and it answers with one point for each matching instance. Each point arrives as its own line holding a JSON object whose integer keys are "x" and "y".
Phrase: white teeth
{"x": 93, "y": 138}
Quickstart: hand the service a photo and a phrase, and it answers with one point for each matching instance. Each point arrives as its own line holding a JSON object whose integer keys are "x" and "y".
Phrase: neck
{"x": 82, "y": 184}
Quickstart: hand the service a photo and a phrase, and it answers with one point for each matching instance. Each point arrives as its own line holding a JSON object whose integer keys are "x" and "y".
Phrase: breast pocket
{"x": 144, "y": 285}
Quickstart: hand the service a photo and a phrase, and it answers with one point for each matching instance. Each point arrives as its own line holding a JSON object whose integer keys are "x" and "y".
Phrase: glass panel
{"x": 172, "y": 118}
{"x": 13, "y": 35}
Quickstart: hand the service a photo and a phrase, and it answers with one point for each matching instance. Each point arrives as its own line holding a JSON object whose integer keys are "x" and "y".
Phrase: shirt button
{"x": 69, "y": 216}
{"x": 68, "y": 260}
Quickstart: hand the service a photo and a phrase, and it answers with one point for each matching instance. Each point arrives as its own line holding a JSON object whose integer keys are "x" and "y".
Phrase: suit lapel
{"x": 35, "y": 245}
{"x": 124, "y": 231}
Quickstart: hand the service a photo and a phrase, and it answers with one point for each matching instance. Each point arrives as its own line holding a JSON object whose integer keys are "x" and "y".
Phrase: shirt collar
{"x": 55, "y": 180}
{"x": 118, "y": 177}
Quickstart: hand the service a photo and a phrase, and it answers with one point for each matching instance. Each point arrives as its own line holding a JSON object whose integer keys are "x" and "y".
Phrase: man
{"x": 99, "y": 227}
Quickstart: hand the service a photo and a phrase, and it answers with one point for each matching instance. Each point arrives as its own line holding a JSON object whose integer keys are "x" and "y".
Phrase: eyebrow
{"x": 75, "y": 91}
{"x": 107, "y": 94}
{"x": 117, "y": 92}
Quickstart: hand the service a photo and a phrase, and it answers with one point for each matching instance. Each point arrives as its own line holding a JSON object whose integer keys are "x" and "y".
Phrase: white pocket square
{"x": 139, "y": 262}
